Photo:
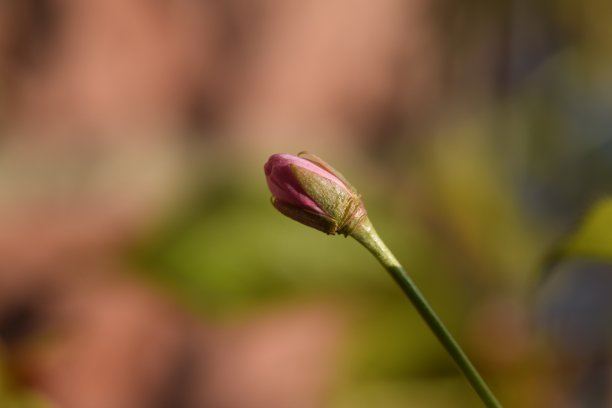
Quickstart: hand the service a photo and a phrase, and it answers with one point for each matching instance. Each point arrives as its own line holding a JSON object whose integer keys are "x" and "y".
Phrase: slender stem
{"x": 367, "y": 236}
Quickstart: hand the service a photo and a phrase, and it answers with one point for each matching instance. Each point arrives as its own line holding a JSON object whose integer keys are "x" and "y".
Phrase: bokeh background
{"x": 142, "y": 265}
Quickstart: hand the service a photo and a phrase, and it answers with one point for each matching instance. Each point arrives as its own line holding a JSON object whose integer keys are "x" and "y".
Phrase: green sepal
{"x": 331, "y": 197}
{"x": 307, "y": 217}
{"x": 317, "y": 161}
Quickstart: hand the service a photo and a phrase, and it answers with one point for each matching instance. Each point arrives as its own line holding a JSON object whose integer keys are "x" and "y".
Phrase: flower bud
{"x": 311, "y": 192}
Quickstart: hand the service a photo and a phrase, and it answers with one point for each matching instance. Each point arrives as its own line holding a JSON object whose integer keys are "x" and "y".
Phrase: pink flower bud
{"x": 310, "y": 191}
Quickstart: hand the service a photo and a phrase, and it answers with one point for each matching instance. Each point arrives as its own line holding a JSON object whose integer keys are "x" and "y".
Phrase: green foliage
{"x": 593, "y": 236}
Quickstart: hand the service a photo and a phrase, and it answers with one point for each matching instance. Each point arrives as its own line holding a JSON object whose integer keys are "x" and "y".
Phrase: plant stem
{"x": 367, "y": 236}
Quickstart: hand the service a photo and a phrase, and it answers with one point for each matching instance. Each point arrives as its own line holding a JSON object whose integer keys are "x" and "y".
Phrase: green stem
{"x": 367, "y": 236}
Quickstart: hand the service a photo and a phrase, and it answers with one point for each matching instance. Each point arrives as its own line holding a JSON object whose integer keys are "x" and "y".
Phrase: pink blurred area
{"x": 95, "y": 99}
{"x": 253, "y": 68}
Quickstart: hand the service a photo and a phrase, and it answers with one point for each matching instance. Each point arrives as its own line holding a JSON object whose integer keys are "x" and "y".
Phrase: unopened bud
{"x": 308, "y": 190}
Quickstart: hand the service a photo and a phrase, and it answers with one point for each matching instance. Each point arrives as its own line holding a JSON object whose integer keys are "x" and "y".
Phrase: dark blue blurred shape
{"x": 574, "y": 308}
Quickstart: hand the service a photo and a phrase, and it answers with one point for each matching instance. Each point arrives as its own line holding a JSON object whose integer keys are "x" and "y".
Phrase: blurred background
{"x": 142, "y": 265}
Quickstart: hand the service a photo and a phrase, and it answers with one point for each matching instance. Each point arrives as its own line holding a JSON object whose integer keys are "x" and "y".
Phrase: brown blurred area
{"x": 249, "y": 67}
{"x": 95, "y": 97}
